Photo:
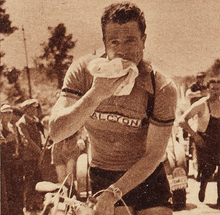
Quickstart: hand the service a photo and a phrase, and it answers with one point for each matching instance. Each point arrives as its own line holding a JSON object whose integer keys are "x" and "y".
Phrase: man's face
{"x": 124, "y": 41}
{"x": 6, "y": 116}
{"x": 214, "y": 89}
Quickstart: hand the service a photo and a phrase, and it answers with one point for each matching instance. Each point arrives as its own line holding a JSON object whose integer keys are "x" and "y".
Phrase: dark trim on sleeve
{"x": 66, "y": 90}
{"x": 162, "y": 121}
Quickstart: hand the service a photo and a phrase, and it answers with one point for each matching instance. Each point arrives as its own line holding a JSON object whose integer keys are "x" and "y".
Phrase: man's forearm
{"x": 68, "y": 120}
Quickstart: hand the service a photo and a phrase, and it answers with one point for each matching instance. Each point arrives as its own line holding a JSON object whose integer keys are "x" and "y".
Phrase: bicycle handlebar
{"x": 80, "y": 208}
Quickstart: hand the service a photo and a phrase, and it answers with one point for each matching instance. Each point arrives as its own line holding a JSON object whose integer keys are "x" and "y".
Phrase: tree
{"x": 216, "y": 68}
{"x": 56, "y": 53}
{"x": 5, "y": 29}
{"x": 13, "y": 89}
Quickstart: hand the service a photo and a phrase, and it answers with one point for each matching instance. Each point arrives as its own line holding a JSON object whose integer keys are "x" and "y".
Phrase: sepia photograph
{"x": 110, "y": 107}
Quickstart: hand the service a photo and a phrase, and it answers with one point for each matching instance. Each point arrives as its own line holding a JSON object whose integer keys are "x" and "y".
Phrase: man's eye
{"x": 130, "y": 41}
{"x": 114, "y": 42}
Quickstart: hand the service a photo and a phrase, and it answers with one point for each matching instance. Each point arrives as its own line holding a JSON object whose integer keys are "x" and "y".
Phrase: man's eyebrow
{"x": 128, "y": 36}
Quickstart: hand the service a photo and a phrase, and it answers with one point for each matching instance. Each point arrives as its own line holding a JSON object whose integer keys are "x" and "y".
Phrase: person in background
{"x": 19, "y": 172}
{"x": 207, "y": 136}
{"x": 198, "y": 89}
{"x": 9, "y": 155}
{"x": 31, "y": 142}
{"x": 127, "y": 145}
{"x": 65, "y": 155}
{"x": 46, "y": 166}
{"x": 17, "y": 114}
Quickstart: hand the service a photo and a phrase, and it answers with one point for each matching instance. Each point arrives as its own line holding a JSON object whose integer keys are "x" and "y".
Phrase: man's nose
{"x": 122, "y": 49}
{"x": 119, "y": 55}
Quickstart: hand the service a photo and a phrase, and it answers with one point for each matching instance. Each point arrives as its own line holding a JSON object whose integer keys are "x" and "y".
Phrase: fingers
{"x": 121, "y": 79}
{"x": 106, "y": 87}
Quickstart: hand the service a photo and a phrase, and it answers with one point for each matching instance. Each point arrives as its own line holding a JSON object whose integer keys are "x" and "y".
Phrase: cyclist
{"x": 126, "y": 146}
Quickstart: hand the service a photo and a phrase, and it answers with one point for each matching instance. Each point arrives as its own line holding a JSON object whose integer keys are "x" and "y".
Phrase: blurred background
{"x": 39, "y": 40}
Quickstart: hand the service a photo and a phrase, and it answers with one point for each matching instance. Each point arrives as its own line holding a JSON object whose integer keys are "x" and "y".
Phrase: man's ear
{"x": 143, "y": 38}
{"x": 103, "y": 40}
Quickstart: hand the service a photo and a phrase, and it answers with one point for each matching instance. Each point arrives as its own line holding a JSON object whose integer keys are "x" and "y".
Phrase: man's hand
{"x": 105, "y": 204}
{"x": 106, "y": 87}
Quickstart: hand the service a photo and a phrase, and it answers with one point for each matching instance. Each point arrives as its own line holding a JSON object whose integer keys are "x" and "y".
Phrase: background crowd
{"x": 28, "y": 155}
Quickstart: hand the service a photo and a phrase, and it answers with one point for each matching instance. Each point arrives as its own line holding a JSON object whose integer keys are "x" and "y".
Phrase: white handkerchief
{"x": 102, "y": 67}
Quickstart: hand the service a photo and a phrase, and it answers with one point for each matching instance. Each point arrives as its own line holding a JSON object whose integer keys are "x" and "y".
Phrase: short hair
{"x": 122, "y": 13}
{"x": 213, "y": 81}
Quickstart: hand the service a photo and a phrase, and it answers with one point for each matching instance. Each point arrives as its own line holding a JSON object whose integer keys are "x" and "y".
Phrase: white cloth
{"x": 102, "y": 67}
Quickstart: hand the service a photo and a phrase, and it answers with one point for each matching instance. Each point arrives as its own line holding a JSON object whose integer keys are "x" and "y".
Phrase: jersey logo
{"x": 123, "y": 120}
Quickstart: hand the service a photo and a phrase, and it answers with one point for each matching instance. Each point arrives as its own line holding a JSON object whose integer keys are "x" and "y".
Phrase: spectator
{"x": 31, "y": 141}
{"x": 17, "y": 114}
{"x": 46, "y": 165}
{"x": 10, "y": 171}
{"x": 198, "y": 89}
{"x": 65, "y": 155}
{"x": 207, "y": 137}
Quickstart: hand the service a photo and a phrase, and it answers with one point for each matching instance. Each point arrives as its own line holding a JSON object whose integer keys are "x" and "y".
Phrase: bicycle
{"x": 57, "y": 201}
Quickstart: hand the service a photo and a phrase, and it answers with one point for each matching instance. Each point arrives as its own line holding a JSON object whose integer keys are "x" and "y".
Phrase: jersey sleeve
{"x": 165, "y": 103}
{"x": 78, "y": 79}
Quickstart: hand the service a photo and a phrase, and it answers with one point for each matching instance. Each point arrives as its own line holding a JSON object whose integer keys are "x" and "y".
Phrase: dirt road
{"x": 194, "y": 206}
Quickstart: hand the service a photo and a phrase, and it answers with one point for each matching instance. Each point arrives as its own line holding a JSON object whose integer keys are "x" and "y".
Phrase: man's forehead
{"x": 129, "y": 28}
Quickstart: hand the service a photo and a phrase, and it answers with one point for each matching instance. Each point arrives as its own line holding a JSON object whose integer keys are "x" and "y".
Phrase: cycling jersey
{"x": 116, "y": 128}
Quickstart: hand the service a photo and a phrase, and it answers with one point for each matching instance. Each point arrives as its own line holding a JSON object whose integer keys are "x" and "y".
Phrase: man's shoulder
{"x": 163, "y": 81}
{"x": 159, "y": 80}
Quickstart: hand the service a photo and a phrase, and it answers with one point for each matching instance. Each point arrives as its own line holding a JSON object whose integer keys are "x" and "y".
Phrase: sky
{"x": 183, "y": 36}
